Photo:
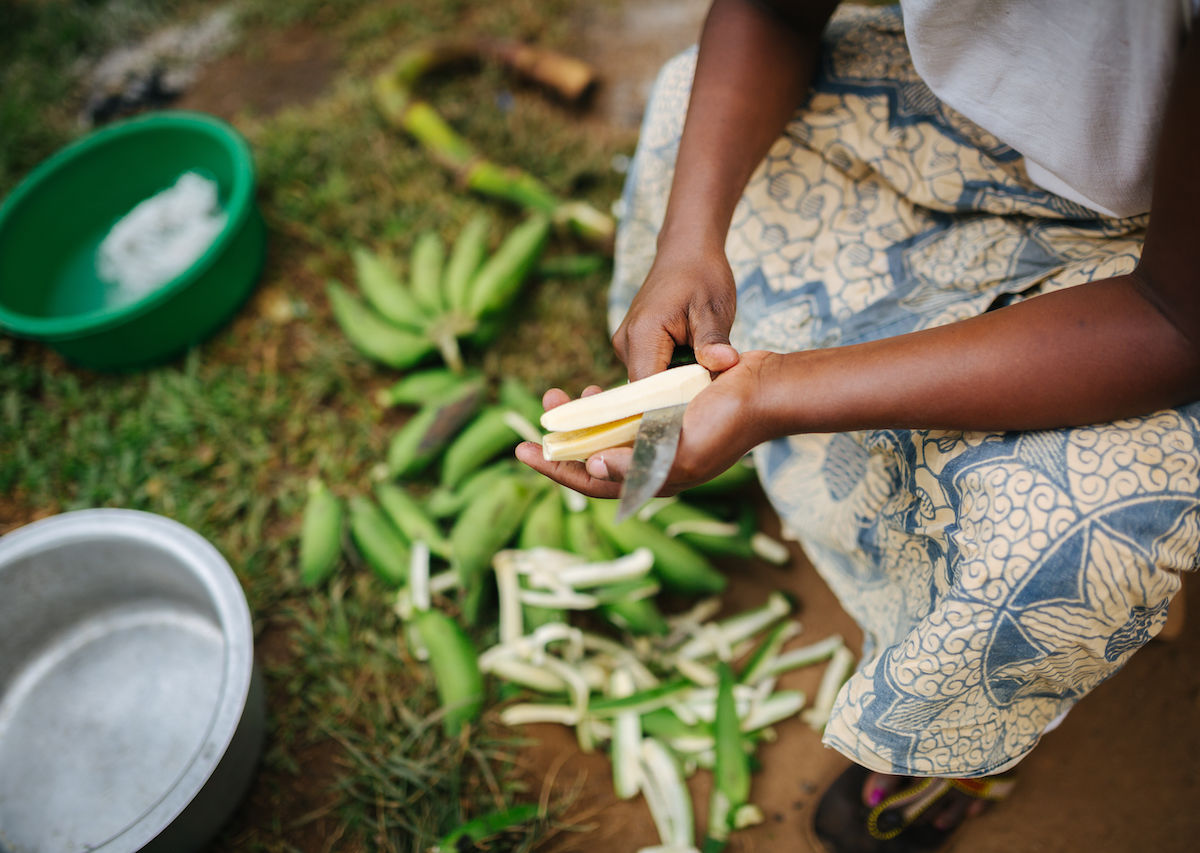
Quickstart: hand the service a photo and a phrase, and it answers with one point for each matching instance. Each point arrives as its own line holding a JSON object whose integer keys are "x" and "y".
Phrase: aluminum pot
{"x": 131, "y": 712}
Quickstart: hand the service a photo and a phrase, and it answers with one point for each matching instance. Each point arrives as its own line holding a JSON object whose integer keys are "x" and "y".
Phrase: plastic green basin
{"x": 52, "y": 223}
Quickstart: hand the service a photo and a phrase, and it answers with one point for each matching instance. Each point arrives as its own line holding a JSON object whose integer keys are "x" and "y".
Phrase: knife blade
{"x": 653, "y": 452}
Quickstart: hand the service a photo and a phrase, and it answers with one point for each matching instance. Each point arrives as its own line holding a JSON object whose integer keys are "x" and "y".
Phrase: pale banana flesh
{"x": 611, "y": 418}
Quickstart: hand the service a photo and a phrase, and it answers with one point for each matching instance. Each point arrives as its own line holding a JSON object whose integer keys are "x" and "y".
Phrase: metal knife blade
{"x": 653, "y": 452}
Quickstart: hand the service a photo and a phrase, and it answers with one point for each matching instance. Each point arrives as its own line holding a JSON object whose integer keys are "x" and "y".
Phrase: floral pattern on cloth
{"x": 997, "y": 577}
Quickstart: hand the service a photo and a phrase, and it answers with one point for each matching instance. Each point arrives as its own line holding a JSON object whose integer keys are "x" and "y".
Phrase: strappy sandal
{"x": 844, "y": 824}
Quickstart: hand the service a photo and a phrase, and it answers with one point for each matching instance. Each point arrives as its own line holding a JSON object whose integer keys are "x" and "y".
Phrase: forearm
{"x": 755, "y": 66}
{"x": 1087, "y": 354}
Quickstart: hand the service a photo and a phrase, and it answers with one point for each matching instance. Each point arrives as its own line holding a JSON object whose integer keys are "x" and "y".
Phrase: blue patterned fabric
{"x": 998, "y": 577}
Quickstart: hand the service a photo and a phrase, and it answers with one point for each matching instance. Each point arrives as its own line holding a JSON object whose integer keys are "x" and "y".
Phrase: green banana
{"x": 484, "y": 438}
{"x": 544, "y": 524}
{"x": 386, "y": 293}
{"x": 416, "y": 389}
{"x": 427, "y": 432}
{"x": 425, "y": 271}
{"x": 485, "y": 526}
{"x": 677, "y": 564}
{"x": 734, "y": 478}
{"x": 496, "y": 283}
{"x": 735, "y": 543}
{"x": 411, "y": 519}
{"x": 731, "y": 773}
{"x": 320, "y": 534}
{"x": 374, "y": 336}
{"x": 455, "y": 665}
{"x": 583, "y": 537}
{"x": 445, "y": 501}
{"x": 468, "y": 253}
{"x": 380, "y": 543}
{"x": 636, "y": 615}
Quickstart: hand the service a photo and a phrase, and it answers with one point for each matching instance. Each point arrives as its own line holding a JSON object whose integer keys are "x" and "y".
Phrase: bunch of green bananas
{"x": 444, "y": 299}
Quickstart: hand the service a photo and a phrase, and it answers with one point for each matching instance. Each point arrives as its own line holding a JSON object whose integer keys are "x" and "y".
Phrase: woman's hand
{"x": 722, "y": 423}
{"x": 688, "y": 299}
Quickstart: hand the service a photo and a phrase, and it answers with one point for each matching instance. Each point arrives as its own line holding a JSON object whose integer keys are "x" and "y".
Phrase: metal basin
{"x": 131, "y": 715}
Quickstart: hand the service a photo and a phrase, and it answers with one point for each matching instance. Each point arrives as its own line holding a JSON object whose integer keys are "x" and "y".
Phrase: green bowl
{"x": 53, "y": 222}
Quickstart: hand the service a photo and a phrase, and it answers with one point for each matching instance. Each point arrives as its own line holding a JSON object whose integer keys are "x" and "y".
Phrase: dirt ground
{"x": 1123, "y": 771}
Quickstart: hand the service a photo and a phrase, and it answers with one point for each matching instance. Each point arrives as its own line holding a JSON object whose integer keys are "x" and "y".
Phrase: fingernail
{"x": 597, "y": 467}
{"x": 875, "y": 797}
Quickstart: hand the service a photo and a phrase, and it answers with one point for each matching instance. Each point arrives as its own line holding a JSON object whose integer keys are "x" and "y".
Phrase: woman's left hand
{"x": 722, "y": 423}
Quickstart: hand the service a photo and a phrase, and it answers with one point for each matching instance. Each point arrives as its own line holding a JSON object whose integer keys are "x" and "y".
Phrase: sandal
{"x": 844, "y": 824}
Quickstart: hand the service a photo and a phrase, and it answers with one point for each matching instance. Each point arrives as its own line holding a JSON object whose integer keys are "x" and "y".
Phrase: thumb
{"x": 710, "y": 342}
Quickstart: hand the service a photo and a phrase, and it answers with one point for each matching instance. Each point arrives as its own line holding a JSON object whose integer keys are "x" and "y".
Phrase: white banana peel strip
{"x": 702, "y": 675}
{"x": 666, "y": 794}
{"x": 736, "y": 629}
{"x": 653, "y": 506}
{"x": 418, "y": 575}
{"x": 439, "y": 583}
{"x": 526, "y": 674}
{"x": 775, "y": 708}
{"x": 803, "y": 656}
{"x": 564, "y": 600}
{"x": 521, "y": 425}
{"x": 667, "y": 388}
{"x": 574, "y": 501}
{"x": 771, "y": 550}
{"x": 703, "y": 527}
{"x": 626, "y": 739}
{"x": 836, "y": 672}
{"x": 534, "y": 644}
{"x": 627, "y": 567}
{"x": 508, "y": 591}
{"x": 528, "y": 712}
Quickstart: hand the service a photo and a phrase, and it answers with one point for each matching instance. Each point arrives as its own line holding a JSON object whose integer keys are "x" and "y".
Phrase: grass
{"x": 224, "y": 438}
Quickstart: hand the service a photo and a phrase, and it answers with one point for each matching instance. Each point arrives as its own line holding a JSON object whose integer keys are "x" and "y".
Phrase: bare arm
{"x": 1112, "y": 348}
{"x": 755, "y": 66}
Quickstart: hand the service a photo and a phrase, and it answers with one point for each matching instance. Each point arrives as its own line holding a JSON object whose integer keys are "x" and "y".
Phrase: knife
{"x": 653, "y": 449}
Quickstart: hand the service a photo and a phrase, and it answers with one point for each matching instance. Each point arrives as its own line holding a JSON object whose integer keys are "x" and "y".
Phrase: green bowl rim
{"x": 238, "y": 209}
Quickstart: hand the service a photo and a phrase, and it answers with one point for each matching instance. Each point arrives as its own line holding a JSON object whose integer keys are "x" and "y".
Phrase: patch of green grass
{"x": 225, "y": 438}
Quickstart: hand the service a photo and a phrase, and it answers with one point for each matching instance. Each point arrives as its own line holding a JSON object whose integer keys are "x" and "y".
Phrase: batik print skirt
{"x": 997, "y": 577}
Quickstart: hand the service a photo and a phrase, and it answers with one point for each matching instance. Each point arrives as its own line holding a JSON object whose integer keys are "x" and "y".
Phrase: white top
{"x": 1076, "y": 86}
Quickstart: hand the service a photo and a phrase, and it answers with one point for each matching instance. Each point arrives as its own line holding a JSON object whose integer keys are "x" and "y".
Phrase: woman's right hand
{"x": 689, "y": 299}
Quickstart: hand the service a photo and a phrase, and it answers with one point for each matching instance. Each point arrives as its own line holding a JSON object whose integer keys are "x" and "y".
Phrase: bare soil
{"x": 1123, "y": 771}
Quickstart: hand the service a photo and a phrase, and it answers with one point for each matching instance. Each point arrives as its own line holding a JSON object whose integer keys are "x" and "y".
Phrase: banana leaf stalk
{"x": 394, "y": 98}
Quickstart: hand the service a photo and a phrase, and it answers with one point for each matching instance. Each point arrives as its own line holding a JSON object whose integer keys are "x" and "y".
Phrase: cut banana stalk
{"x": 668, "y": 388}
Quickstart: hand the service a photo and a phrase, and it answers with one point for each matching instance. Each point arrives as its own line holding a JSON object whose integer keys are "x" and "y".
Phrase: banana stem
{"x": 393, "y": 91}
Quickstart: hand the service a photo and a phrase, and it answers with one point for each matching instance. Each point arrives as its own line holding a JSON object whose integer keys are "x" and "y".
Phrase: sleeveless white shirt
{"x": 1076, "y": 86}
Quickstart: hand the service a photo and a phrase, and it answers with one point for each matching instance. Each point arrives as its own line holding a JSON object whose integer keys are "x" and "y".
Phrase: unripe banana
{"x": 379, "y": 542}
{"x": 497, "y": 282}
{"x": 635, "y": 614}
{"x": 320, "y": 534}
{"x": 455, "y": 664}
{"x": 417, "y": 389}
{"x": 485, "y": 437}
{"x": 425, "y": 271}
{"x": 584, "y": 537}
{"x": 385, "y": 292}
{"x": 445, "y": 502}
{"x": 485, "y": 526}
{"x": 411, "y": 519}
{"x": 544, "y": 525}
{"x": 428, "y": 431}
{"x": 374, "y": 336}
{"x": 678, "y": 565}
{"x": 468, "y": 253}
